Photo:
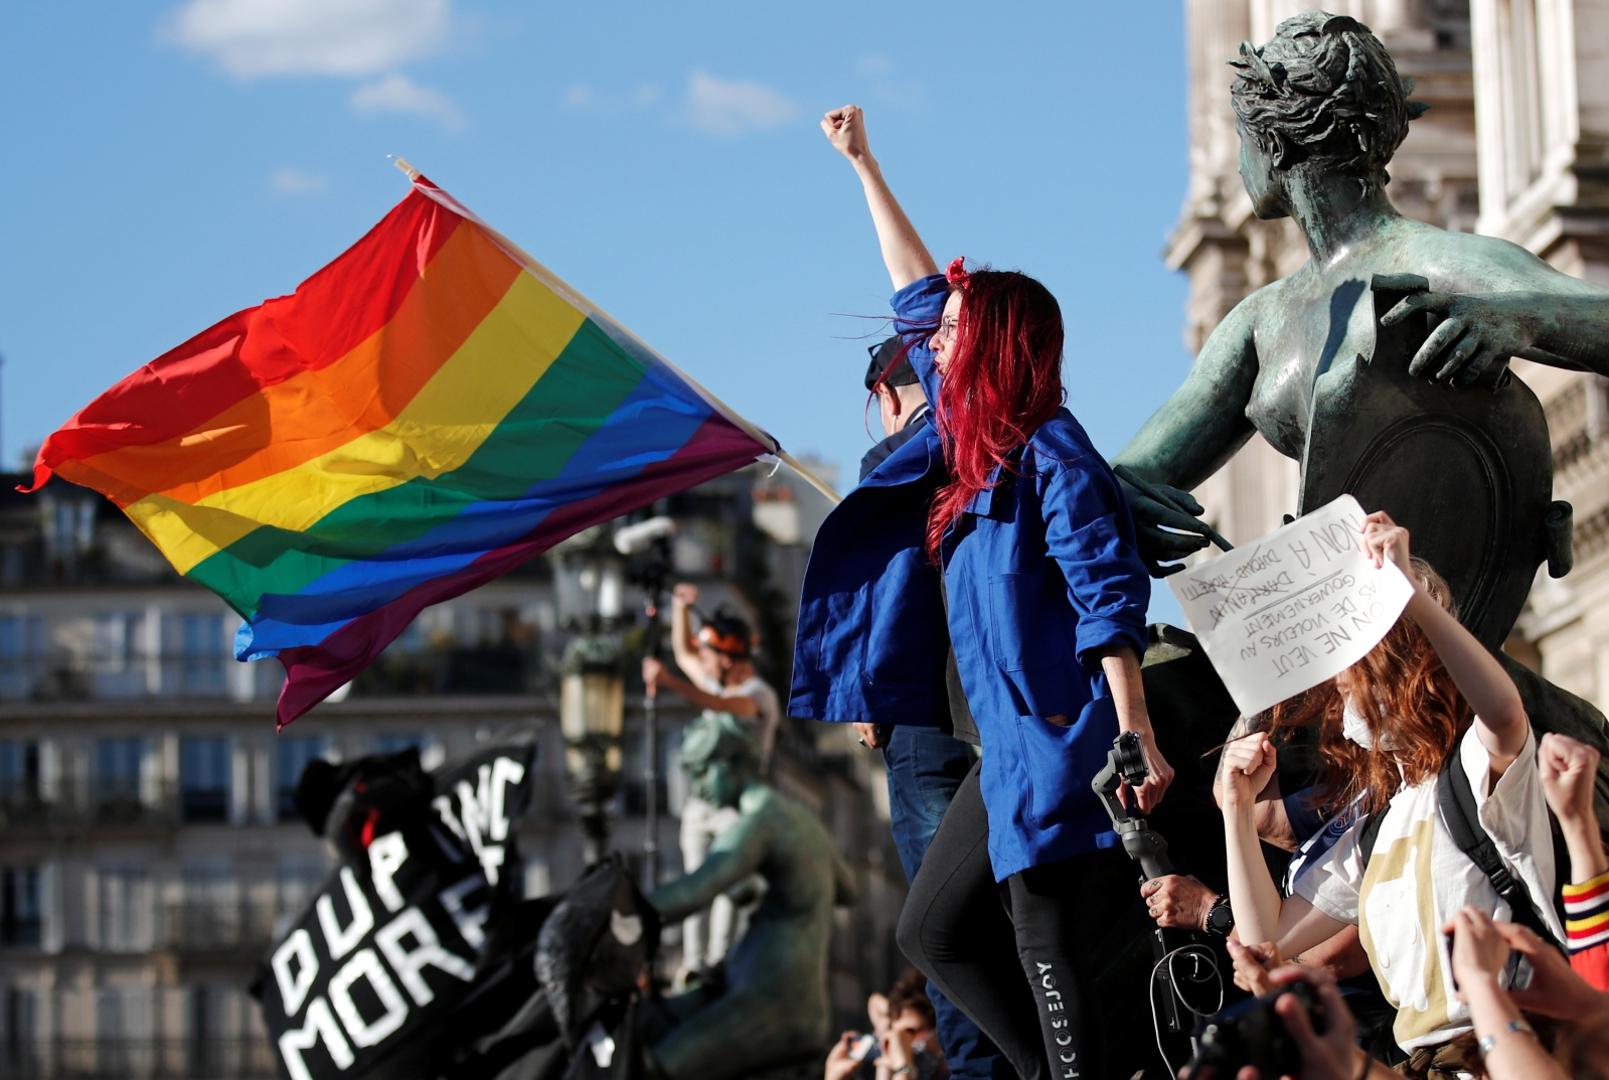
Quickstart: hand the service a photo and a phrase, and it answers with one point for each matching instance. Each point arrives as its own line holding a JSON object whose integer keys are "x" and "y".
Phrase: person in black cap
{"x": 925, "y": 765}
{"x": 901, "y": 405}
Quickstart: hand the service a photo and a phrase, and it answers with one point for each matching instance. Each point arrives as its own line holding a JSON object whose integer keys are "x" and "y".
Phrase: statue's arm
{"x": 735, "y": 854}
{"x": 1190, "y": 437}
{"x": 1502, "y": 301}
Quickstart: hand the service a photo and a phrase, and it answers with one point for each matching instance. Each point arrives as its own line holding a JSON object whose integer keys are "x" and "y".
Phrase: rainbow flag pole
{"x": 426, "y": 412}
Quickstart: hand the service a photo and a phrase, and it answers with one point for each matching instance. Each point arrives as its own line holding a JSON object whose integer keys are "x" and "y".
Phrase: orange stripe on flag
{"x": 305, "y": 417}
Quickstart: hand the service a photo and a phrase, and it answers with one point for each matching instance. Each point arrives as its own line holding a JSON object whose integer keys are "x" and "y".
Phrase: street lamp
{"x": 589, "y": 583}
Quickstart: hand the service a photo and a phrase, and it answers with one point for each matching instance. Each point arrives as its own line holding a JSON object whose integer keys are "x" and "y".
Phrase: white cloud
{"x": 578, "y": 95}
{"x": 646, "y": 94}
{"x": 875, "y": 64}
{"x": 400, "y": 94}
{"x": 718, "y": 107}
{"x": 251, "y": 38}
{"x": 289, "y": 181}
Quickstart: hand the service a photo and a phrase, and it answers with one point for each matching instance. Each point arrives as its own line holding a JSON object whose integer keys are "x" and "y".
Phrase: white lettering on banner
{"x": 481, "y": 816}
{"x": 1300, "y": 606}
{"x": 293, "y": 988}
{"x": 318, "y": 1026}
{"x": 408, "y": 943}
{"x": 366, "y": 965}
{"x": 342, "y": 941}
{"x": 386, "y": 856}
{"x": 427, "y": 951}
{"x": 471, "y": 922}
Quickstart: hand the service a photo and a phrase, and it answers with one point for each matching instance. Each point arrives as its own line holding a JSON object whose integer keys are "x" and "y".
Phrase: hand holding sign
{"x": 1301, "y": 605}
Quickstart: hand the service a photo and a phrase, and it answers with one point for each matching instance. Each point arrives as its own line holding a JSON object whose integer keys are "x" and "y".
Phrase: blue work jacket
{"x": 1041, "y": 572}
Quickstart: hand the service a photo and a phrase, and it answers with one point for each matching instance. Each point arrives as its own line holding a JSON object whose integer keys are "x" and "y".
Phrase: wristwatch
{"x": 1220, "y": 917}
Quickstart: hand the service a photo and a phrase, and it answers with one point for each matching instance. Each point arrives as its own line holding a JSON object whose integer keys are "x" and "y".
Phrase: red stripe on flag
{"x": 323, "y": 320}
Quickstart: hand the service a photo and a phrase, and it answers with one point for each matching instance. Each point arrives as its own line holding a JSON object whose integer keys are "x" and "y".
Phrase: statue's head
{"x": 1324, "y": 95}
{"x": 719, "y": 757}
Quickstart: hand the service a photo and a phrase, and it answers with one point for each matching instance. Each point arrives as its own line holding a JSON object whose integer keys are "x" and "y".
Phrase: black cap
{"x": 884, "y": 355}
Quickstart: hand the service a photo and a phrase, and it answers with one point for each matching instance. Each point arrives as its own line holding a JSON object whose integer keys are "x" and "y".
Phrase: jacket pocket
{"x": 1060, "y": 760}
{"x": 1031, "y": 624}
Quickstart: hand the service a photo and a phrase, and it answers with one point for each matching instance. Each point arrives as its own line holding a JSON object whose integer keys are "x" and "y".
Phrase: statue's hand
{"x": 1475, "y": 332}
{"x": 1165, "y": 534}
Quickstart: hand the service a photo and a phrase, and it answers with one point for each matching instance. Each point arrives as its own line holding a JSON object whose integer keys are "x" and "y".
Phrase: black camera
{"x": 1249, "y": 1033}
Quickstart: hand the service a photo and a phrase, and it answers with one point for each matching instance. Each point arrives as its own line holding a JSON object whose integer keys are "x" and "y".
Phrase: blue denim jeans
{"x": 925, "y": 768}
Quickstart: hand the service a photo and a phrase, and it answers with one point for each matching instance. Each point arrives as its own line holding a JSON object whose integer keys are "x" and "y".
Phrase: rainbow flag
{"x": 426, "y": 412}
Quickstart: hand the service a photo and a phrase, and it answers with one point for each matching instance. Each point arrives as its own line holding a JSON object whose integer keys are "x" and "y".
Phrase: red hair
{"x": 1001, "y": 381}
{"x": 1408, "y": 699}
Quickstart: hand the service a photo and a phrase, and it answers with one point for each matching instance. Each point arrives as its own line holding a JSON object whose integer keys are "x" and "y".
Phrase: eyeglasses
{"x": 947, "y": 330}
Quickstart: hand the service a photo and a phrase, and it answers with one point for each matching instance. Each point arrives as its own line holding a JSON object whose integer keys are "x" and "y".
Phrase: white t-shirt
{"x": 1417, "y": 878}
{"x": 770, "y": 712}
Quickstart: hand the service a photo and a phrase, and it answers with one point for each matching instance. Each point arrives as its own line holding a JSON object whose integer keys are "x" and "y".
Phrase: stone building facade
{"x": 1516, "y": 145}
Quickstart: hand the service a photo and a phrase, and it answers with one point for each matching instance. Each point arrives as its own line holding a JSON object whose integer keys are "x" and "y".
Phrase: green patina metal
{"x": 1381, "y": 365}
{"x": 773, "y": 1008}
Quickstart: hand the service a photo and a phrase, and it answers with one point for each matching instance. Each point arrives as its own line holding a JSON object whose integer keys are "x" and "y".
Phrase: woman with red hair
{"x": 1008, "y": 509}
{"x": 1393, "y": 729}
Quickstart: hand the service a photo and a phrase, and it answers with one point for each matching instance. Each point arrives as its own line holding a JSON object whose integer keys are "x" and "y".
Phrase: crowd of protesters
{"x": 995, "y": 603}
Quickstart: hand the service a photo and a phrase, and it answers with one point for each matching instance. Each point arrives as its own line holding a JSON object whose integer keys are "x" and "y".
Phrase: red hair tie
{"x": 957, "y": 275}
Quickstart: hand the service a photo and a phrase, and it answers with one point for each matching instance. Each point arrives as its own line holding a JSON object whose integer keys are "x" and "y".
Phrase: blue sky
{"x": 167, "y": 164}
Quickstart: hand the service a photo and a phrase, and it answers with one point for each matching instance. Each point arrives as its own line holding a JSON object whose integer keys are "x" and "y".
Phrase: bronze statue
{"x": 773, "y": 1008}
{"x": 1380, "y": 365}
{"x": 1321, "y": 110}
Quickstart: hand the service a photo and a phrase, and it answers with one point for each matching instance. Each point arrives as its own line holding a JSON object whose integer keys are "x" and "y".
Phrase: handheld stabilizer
{"x": 1147, "y": 847}
{"x": 1125, "y": 763}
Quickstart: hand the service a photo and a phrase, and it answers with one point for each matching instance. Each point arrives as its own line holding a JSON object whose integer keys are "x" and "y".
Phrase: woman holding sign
{"x": 1044, "y": 600}
{"x": 1426, "y": 710}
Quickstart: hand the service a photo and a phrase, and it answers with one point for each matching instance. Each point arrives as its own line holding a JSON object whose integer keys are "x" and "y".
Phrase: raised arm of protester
{"x": 1500, "y": 720}
{"x": 904, "y": 254}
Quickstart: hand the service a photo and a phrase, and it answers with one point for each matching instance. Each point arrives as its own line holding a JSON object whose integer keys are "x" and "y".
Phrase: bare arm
{"x": 682, "y": 643}
{"x": 1503, "y": 301}
{"x": 904, "y": 254}
{"x": 1122, "y": 669}
{"x": 737, "y": 704}
{"x": 1191, "y": 436}
{"x": 1568, "y": 769}
{"x": 735, "y": 854}
{"x": 1500, "y": 720}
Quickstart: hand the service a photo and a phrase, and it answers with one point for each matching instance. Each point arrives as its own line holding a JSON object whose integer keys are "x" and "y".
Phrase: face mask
{"x": 1355, "y": 727}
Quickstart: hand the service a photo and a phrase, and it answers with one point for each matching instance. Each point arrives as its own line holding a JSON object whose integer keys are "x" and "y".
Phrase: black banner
{"x": 393, "y": 942}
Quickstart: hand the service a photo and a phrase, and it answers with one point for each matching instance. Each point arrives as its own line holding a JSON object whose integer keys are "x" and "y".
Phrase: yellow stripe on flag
{"x": 437, "y": 432}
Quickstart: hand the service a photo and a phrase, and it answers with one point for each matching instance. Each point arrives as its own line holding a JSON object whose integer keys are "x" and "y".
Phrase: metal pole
{"x": 652, "y": 646}
{"x": 650, "y": 843}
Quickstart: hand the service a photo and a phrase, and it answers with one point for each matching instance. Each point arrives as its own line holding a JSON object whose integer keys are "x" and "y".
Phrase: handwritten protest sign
{"x": 1299, "y": 606}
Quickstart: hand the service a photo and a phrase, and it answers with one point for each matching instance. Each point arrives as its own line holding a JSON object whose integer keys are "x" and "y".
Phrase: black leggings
{"x": 1015, "y": 956}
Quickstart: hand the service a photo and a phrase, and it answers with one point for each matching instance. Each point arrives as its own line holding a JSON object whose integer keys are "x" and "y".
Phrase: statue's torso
{"x": 1322, "y": 315}
{"x": 1305, "y": 323}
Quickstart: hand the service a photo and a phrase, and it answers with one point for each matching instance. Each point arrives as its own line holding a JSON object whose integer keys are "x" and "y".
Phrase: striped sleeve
{"x": 1586, "y": 913}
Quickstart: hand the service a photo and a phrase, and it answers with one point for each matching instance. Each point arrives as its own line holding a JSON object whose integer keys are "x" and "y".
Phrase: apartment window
{"x": 117, "y": 664}
{"x": 291, "y": 755}
{"x": 211, "y": 913}
{"x": 119, "y": 775}
{"x": 124, "y": 902}
{"x": 202, "y": 654}
{"x": 19, "y": 773}
{"x": 19, "y": 1032}
{"x": 22, "y": 654}
{"x": 21, "y": 913}
{"x": 204, "y": 775}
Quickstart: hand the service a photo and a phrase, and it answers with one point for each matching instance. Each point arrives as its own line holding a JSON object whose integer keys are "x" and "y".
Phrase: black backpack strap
{"x": 1370, "y": 833}
{"x": 1456, "y": 798}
